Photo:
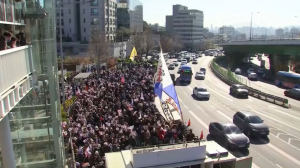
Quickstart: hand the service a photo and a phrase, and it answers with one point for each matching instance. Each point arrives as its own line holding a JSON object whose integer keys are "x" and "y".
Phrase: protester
{"x": 4, "y": 39}
{"x": 115, "y": 111}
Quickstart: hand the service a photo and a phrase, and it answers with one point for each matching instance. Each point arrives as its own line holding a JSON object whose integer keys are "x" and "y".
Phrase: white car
{"x": 201, "y": 93}
{"x": 252, "y": 76}
{"x": 238, "y": 71}
{"x": 200, "y": 75}
{"x": 183, "y": 61}
{"x": 260, "y": 70}
{"x": 250, "y": 70}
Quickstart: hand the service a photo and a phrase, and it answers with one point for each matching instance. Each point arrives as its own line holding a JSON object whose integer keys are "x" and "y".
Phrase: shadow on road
{"x": 198, "y": 99}
{"x": 259, "y": 141}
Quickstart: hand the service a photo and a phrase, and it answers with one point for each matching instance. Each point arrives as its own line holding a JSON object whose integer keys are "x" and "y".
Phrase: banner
{"x": 133, "y": 54}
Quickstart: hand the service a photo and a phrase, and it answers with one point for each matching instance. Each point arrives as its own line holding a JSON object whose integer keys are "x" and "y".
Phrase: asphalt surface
{"x": 280, "y": 149}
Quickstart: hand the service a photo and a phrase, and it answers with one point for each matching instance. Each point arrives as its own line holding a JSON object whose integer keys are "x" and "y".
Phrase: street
{"x": 280, "y": 149}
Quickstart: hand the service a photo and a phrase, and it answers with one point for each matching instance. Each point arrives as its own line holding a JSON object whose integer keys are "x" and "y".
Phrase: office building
{"x": 30, "y": 129}
{"x": 79, "y": 18}
{"x": 279, "y": 33}
{"x": 187, "y": 23}
{"x": 130, "y": 15}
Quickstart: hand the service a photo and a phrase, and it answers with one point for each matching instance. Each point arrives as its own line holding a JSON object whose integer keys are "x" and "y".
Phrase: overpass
{"x": 279, "y": 51}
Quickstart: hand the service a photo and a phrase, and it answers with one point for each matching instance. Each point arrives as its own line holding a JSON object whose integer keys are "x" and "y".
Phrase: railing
{"x": 276, "y": 39}
{"x": 230, "y": 80}
{"x": 15, "y": 64}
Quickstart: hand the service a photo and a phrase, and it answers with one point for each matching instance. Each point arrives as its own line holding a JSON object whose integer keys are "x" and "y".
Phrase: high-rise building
{"x": 130, "y": 15}
{"x": 30, "y": 129}
{"x": 279, "y": 32}
{"x": 187, "y": 23}
{"x": 79, "y": 18}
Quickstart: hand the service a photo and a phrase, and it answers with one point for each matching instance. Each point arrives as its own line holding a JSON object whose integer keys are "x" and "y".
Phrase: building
{"x": 78, "y": 20}
{"x": 188, "y": 23}
{"x": 279, "y": 33}
{"x": 130, "y": 15}
{"x": 30, "y": 126}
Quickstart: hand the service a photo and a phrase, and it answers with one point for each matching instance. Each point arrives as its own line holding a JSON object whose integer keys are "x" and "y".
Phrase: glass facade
{"x": 131, "y": 13}
{"x": 35, "y": 122}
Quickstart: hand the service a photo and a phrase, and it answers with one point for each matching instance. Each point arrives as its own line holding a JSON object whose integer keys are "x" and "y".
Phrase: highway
{"x": 271, "y": 88}
{"x": 280, "y": 149}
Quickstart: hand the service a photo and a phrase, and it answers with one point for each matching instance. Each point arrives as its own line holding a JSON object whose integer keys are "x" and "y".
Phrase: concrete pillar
{"x": 23, "y": 155}
{"x": 279, "y": 63}
{"x": 7, "y": 149}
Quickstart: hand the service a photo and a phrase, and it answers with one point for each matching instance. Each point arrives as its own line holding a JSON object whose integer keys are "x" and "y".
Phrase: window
{"x": 84, "y": 30}
{"x": 69, "y": 11}
{"x": 70, "y": 30}
{"x": 94, "y": 21}
{"x": 94, "y": 11}
{"x": 69, "y": 20}
{"x": 94, "y": 3}
{"x": 63, "y": 31}
{"x": 83, "y": 11}
{"x": 62, "y": 21}
{"x": 83, "y": 20}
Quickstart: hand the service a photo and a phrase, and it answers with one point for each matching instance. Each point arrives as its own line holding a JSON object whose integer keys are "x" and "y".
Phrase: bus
{"x": 287, "y": 79}
{"x": 185, "y": 74}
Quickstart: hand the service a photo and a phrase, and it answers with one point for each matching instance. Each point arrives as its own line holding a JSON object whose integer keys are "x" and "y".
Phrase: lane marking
{"x": 212, "y": 107}
{"x": 278, "y": 166}
{"x": 272, "y": 107}
{"x": 276, "y": 120}
{"x": 202, "y": 110}
{"x": 179, "y": 98}
{"x": 185, "y": 93}
{"x": 288, "y": 143}
{"x": 284, "y": 154}
{"x": 287, "y": 114}
{"x": 218, "y": 93}
{"x": 198, "y": 119}
{"x": 186, "y": 107}
{"x": 250, "y": 100}
{"x": 228, "y": 118}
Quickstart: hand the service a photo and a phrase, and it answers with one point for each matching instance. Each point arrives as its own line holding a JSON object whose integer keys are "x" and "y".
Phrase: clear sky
{"x": 275, "y": 13}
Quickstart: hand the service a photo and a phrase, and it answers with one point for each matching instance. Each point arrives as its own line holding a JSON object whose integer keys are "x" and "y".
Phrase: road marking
{"x": 276, "y": 120}
{"x": 179, "y": 98}
{"x": 202, "y": 110}
{"x": 218, "y": 93}
{"x": 212, "y": 107}
{"x": 198, "y": 119}
{"x": 186, "y": 107}
{"x": 185, "y": 93}
{"x": 278, "y": 166}
{"x": 273, "y": 107}
{"x": 250, "y": 107}
{"x": 250, "y": 100}
{"x": 286, "y": 114}
{"x": 228, "y": 118}
{"x": 284, "y": 154}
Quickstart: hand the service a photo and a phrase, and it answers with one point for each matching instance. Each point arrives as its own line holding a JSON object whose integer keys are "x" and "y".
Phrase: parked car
{"x": 266, "y": 76}
{"x": 200, "y": 75}
{"x": 260, "y": 70}
{"x": 252, "y": 76}
{"x": 201, "y": 93}
{"x": 229, "y": 134}
{"x": 195, "y": 61}
{"x": 294, "y": 93}
{"x": 250, "y": 70}
{"x": 238, "y": 90}
{"x": 238, "y": 71}
{"x": 175, "y": 63}
{"x": 250, "y": 124}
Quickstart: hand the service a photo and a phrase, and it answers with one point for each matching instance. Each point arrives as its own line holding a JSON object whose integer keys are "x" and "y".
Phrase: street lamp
{"x": 251, "y": 25}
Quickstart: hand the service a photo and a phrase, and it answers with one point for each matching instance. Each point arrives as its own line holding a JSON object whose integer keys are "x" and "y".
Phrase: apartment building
{"x": 30, "y": 130}
{"x": 130, "y": 15}
{"x": 187, "y": 23}
{"x": 79, "y": 17}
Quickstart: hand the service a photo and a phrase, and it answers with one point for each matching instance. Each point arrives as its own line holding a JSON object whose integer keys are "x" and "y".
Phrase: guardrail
{"x": 230, "y": 80}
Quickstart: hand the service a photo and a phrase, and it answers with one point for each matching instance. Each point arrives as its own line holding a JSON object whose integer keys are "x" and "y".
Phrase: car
{"x": 229, "y": 134}
{"x": 294, "y": 93}
{"x": 238, "y": 90}
{"x": 250, "y": 70}
{"x": 250, "y": 123}
{"x": 203, "y": 70}
{"x": 201, "y": 93}
{"x": 195, "y": 61}
{"x": 266, "y": 76}
{"x": 260, "y": 70}
{"x": 179, "y": 59}
{"x": 252, "y": 76}
{"x": 171, "y": 67}
{"x": 200, "y": 75}
{"x": 184, "y": 61}
{"x": 238, "y": 71}
{"x": 173, "y": 78}
{"x": 175, "y": 63}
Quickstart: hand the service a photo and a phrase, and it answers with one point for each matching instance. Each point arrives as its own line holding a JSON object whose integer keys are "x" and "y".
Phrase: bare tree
{"x": 166, "y": 43}
{"x": 137, "y": 40}
{"x": 148, "y": 40}
{"x": 178, "y": 43}
{"x": 98, "y": 47}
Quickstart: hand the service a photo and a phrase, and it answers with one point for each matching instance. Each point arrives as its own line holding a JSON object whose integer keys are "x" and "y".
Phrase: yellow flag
{"x": 133, "y": 54}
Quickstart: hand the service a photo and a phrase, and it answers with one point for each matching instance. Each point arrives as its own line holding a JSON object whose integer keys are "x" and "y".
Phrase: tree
{"x": 123, "y": 34}
{"x": 178, "y": 45}
{"x": 98, "y": 47}
{"x": 137, "y": 40}
{"x": 148, "y": 40}
{"x": 166, "y": 43}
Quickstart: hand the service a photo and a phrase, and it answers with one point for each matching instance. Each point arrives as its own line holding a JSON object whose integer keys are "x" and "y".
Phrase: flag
{"x": 189, "y": 123}
{"x": 122, "y": 79}
{"x": 133, "y": 54}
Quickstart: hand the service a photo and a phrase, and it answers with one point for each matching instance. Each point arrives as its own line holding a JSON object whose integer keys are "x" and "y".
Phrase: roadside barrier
{"x": 252, "y": 92}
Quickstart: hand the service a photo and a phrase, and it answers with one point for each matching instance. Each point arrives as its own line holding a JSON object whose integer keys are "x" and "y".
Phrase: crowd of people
{"x": 115, "y": 110}
{"x": 8, "y": 40}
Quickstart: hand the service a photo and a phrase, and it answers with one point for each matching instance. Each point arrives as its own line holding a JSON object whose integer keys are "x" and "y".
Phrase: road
{"x": 280, "y": 149}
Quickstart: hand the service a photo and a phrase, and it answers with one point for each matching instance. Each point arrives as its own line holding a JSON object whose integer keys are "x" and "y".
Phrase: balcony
{"x": 16, "y": 67}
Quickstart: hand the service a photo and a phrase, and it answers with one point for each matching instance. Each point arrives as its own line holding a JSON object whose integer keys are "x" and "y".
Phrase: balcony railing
{"x": 15, "y": 68}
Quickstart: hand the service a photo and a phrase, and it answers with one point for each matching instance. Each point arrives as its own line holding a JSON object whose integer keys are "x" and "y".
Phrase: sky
{"x": 272, "y": 13}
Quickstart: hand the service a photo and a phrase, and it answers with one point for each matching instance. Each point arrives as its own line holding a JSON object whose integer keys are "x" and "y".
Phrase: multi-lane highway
{"x": 280, "y": 149}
